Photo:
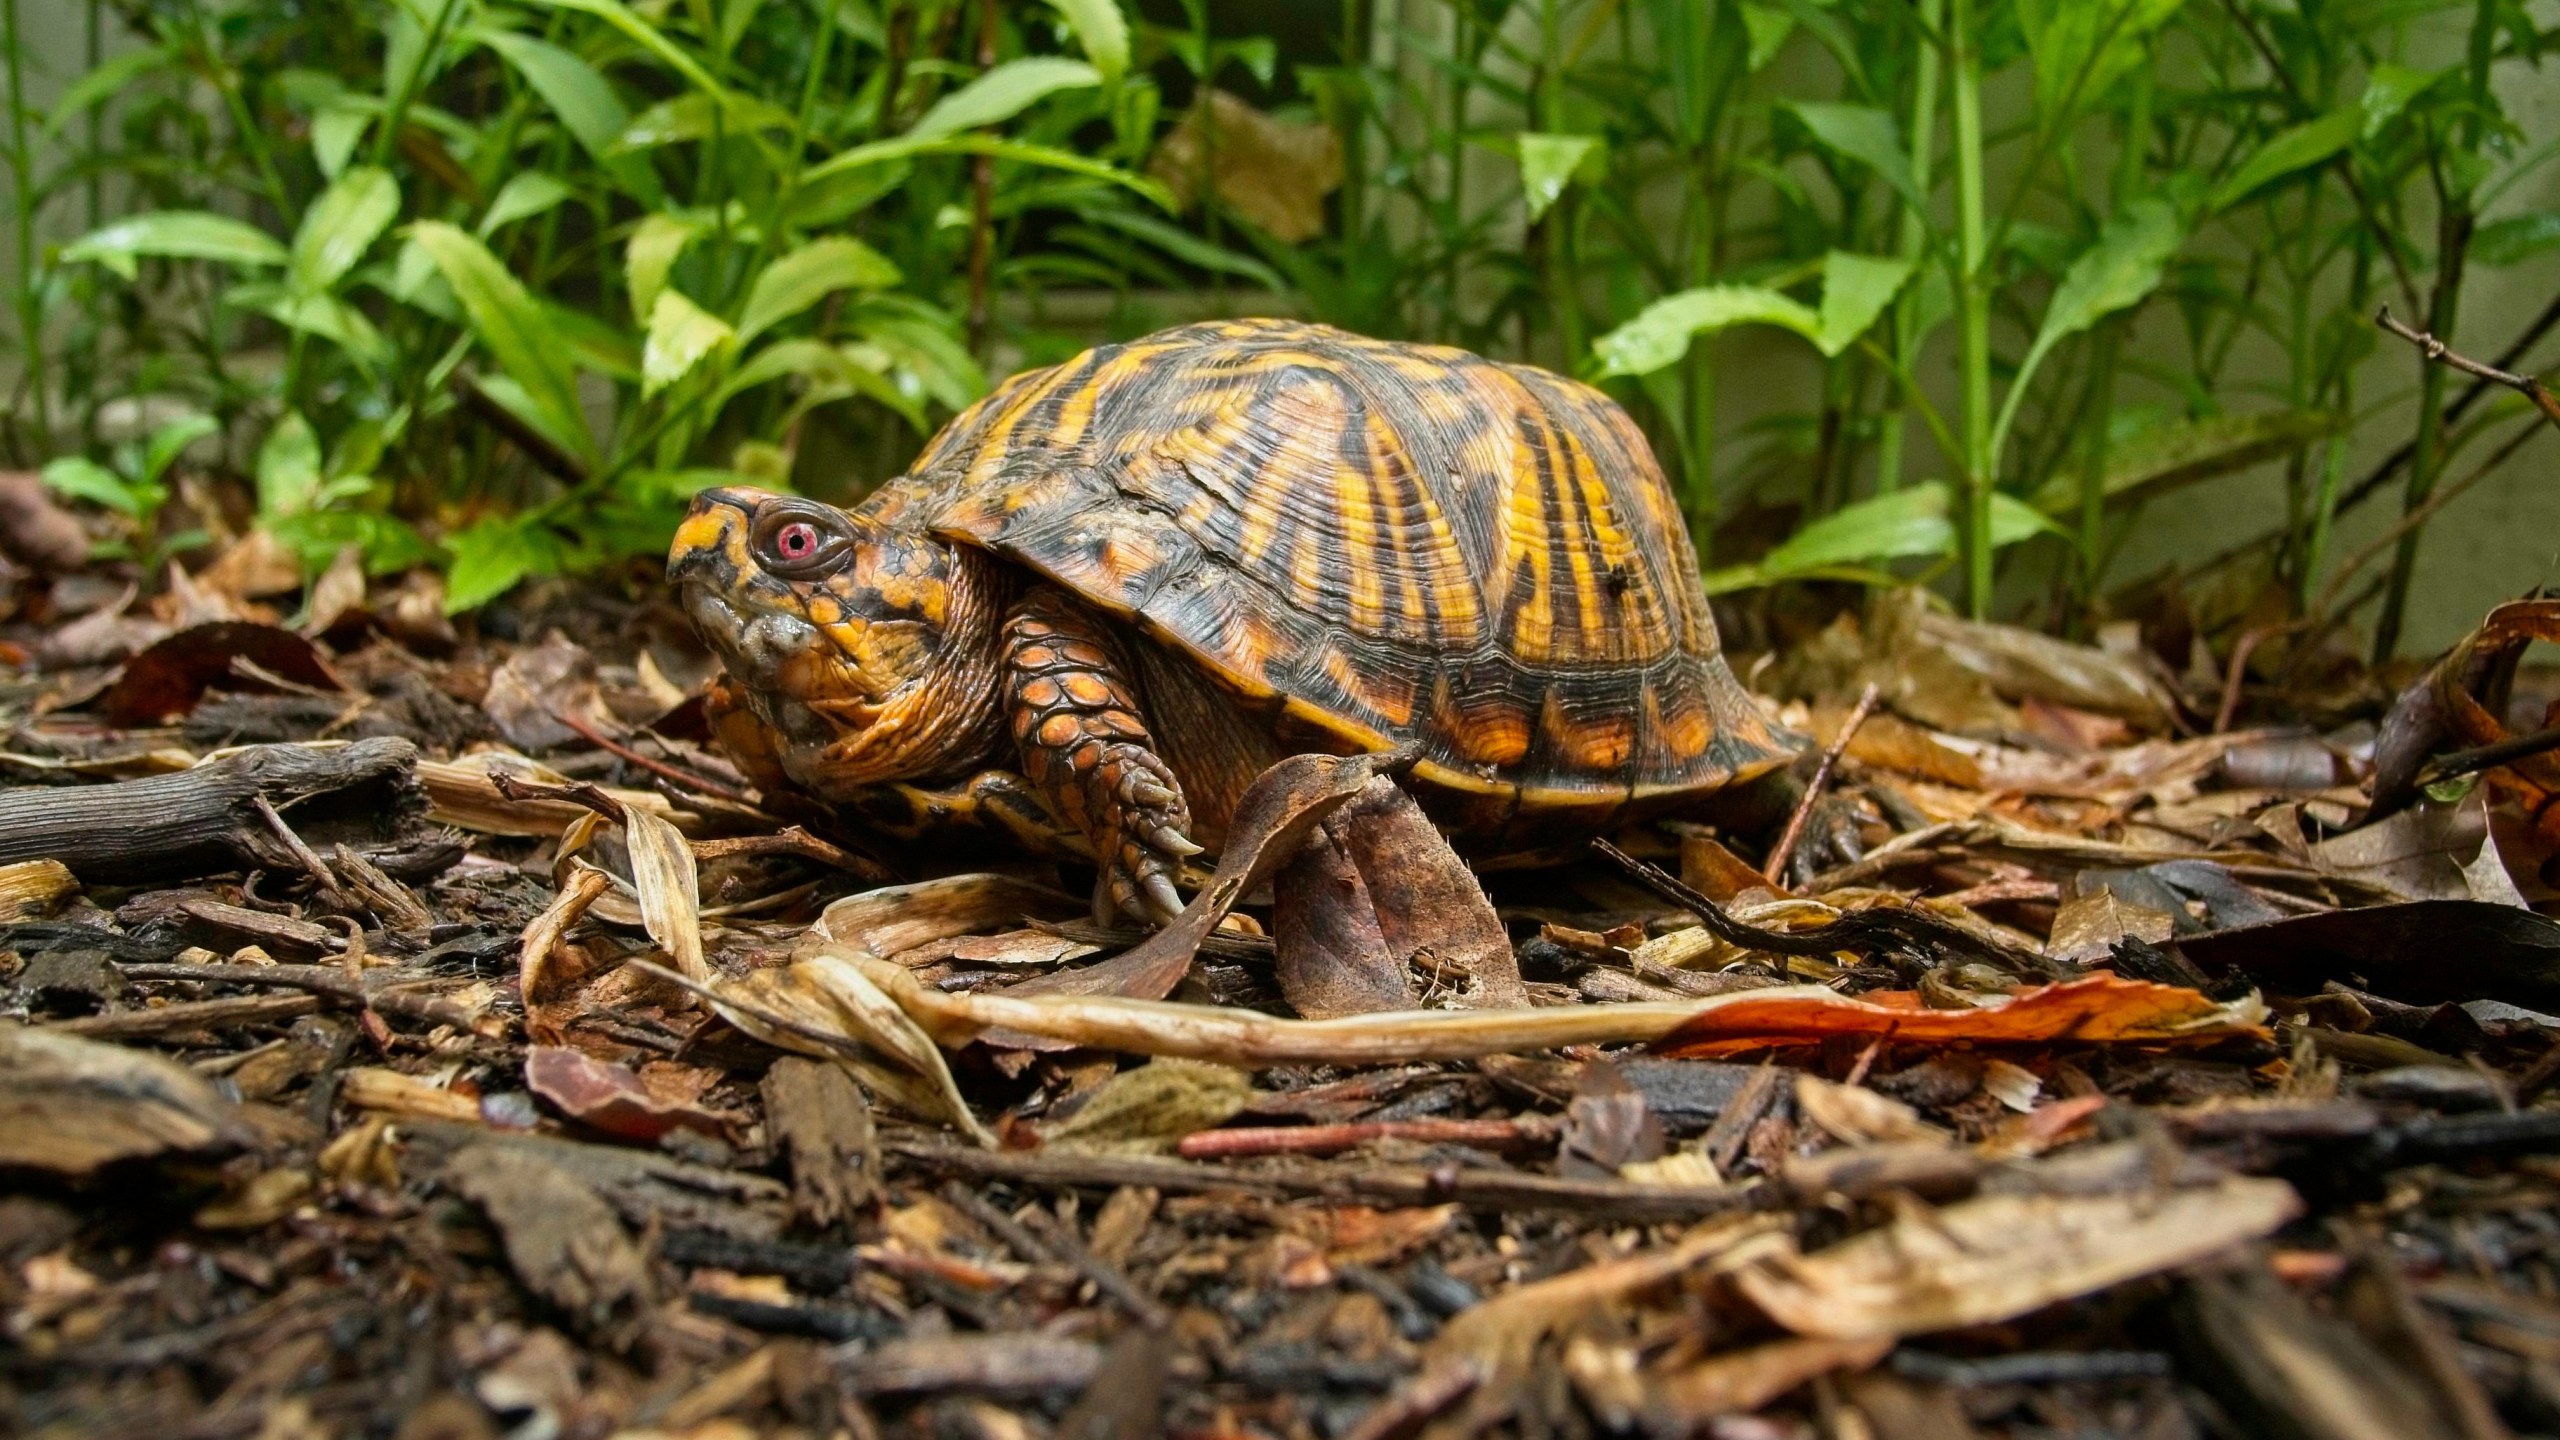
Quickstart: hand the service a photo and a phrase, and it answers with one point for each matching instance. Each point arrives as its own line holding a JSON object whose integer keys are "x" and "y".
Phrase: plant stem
{"x": 1907, "y": 336}
{"x": 22, "y": 188}
{"x": 1973, "y": 306}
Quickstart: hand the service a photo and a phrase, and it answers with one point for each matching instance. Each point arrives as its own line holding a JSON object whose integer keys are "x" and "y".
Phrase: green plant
{"x": 136, "y": 487}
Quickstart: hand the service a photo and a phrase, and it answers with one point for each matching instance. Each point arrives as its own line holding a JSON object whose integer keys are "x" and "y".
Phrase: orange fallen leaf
{"x": 2099, "y": 1008}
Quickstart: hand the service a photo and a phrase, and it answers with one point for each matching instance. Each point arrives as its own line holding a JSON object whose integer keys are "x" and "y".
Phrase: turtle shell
{"x": 1390, "y": 543}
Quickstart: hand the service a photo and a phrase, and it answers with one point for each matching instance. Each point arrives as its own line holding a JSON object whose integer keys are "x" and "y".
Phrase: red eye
{"x": 797, "y": 540}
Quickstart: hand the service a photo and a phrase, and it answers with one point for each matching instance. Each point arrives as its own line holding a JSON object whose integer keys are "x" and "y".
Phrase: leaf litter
{"x": 2077, "y": 1064}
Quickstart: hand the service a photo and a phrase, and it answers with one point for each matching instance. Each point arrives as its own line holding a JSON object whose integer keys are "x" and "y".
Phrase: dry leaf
{"x": 896, "y": 918}
{"x": 1999, "y": 1256}
{"x": 1146, "y": 1111}
{"x": 2087, "y": 930}
{"x": 1274, "y": 173}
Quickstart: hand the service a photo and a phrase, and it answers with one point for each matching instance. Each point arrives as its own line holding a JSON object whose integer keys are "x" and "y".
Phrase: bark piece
{"x": 563, "y": 1240}
{"x": 2282, "y": 1368}
{"x": 70, "y": 1106}
{"x": 1021, "y": 1363}
{"x": 815, "y": 1112}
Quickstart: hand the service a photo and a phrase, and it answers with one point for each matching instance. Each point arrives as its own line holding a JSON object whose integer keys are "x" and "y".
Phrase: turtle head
{"x": 846, "y": 632}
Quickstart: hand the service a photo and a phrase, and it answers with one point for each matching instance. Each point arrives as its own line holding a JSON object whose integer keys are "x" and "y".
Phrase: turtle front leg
{"x": 1076, "y": 721}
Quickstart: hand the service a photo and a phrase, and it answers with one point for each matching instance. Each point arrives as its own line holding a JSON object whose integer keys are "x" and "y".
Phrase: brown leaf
{"x": 1146, "y": 1110}
{"x": 608, "y": 1097}
{"x": 1426, "y": 898}
{"x": 164, "y": 682}
{"x": 1681, "y": 1401}
{"x": 2098, "y": 1009}
{"x": 539, "y": 683}
{"x": 2086, "y": 930}
{"x": 1607, "y": 1125}
{"x": 1331, "y": 955}
{"x": 337, "y": 594}
{"x": 255, "y": 566}
{"x": 1272, "y": 817}
{"x": 1272, "y": 172}
{"x": 36, "y": 530}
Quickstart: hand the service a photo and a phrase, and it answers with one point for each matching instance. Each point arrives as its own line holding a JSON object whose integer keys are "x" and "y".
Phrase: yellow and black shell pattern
{"x": 1388, "y": 542}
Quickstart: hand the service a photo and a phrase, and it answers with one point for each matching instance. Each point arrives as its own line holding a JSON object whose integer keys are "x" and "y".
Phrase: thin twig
{"x": 687, "y": 778}
{"x": 1786, "y": 847}
{"x": 2393, "y": 463}
{"x": 324, "y": 980}
{"x": 576, "y": 792}
{"x": 2444, "y": 496}
{"x": 2238, "y": 670}
{"x": 303, "y": 854}
{"x": 2457, "y": 763}
{"x": 2436, "y": 350}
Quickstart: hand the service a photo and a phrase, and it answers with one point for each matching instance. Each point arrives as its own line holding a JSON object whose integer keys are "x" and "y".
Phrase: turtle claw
{"x": 1174, "y": 843}
{"x": 1163, "y": 902}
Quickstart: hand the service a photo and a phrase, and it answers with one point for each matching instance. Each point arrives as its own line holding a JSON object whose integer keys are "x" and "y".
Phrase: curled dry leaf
{"x": 538, "y": 684}
{"x": 1855, "y": 1115}
{"x": 897, "y": 918}
{"x": 1273, "y": 815}
{"x": 662, "y": 871}
{"x": 255, "y": 566}
{"x": 831, "y": 1005}
{"x": 2099, "y": 1009}
{"x": 608, "y": 1097}
{"x": 583, "y": 887}
{"x": 1427, "y": 900}
{"x": 1999, "y": 1256}
{"x": 461, "y": 794}
{"x": 1330, "y": 955}
{"x": 2096, "y": 1010}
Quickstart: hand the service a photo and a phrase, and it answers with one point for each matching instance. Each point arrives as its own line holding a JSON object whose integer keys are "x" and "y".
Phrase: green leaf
{"x": 176, "y": 235}
{"x": 85, "y": 479}
{"x": 1865, "y": 134}
{"x": 341, "y": 225}
{"x": 1899, "y": 525}
{"x": 2119, "y": 269}
{"x": 650, "y": 253}
{"x": 328, "y": 316}
{"x": 335, "y": 131}
{"x": 581, "y": 97}
{"x": 104, "y": 83}
{"x": 2169, "y": 457}
{"x": 809, "y": 274}
{"x": 1767, "y": 27}
{"x": 288, "y": 466}
{"x": 681, "y": 333}
{"x": 1855, "y": 290}
{"x": 2515, "y": 238}
{"x": 1102, "y": 30}
{"x": 509, "y": 322}
{"x": 650, "y": 38}
{"x": 901, "y": 147}
{"x": 494, "y": 554}
{"x": 526, "y": 194}
{"x": 2307, "y": 144}
{"x": 1002, "y": 93}
{"x": 693, "y": 116}
{"x": 2388, "y": 91}
{"x": 1547, "y": 165}
{"x": 171, "y": 441}
{"x": 1661, "y": 332}
{"x": 1182, "y": 245}
{"x": 2081, "y": 48}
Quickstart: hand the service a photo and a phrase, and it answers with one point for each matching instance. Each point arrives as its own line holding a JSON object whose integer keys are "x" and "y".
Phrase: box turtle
{"x": 1144, "y": 574}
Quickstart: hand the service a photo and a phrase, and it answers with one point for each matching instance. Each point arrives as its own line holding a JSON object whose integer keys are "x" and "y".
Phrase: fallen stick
{"x": 207, "y": 820}
{"x": 1330, "y": 1139}
{"x": 325, "y": 981}
{"x": 1785, "y": 849}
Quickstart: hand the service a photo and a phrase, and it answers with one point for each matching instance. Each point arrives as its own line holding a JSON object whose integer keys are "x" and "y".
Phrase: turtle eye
{"x": 799, "y": 544}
